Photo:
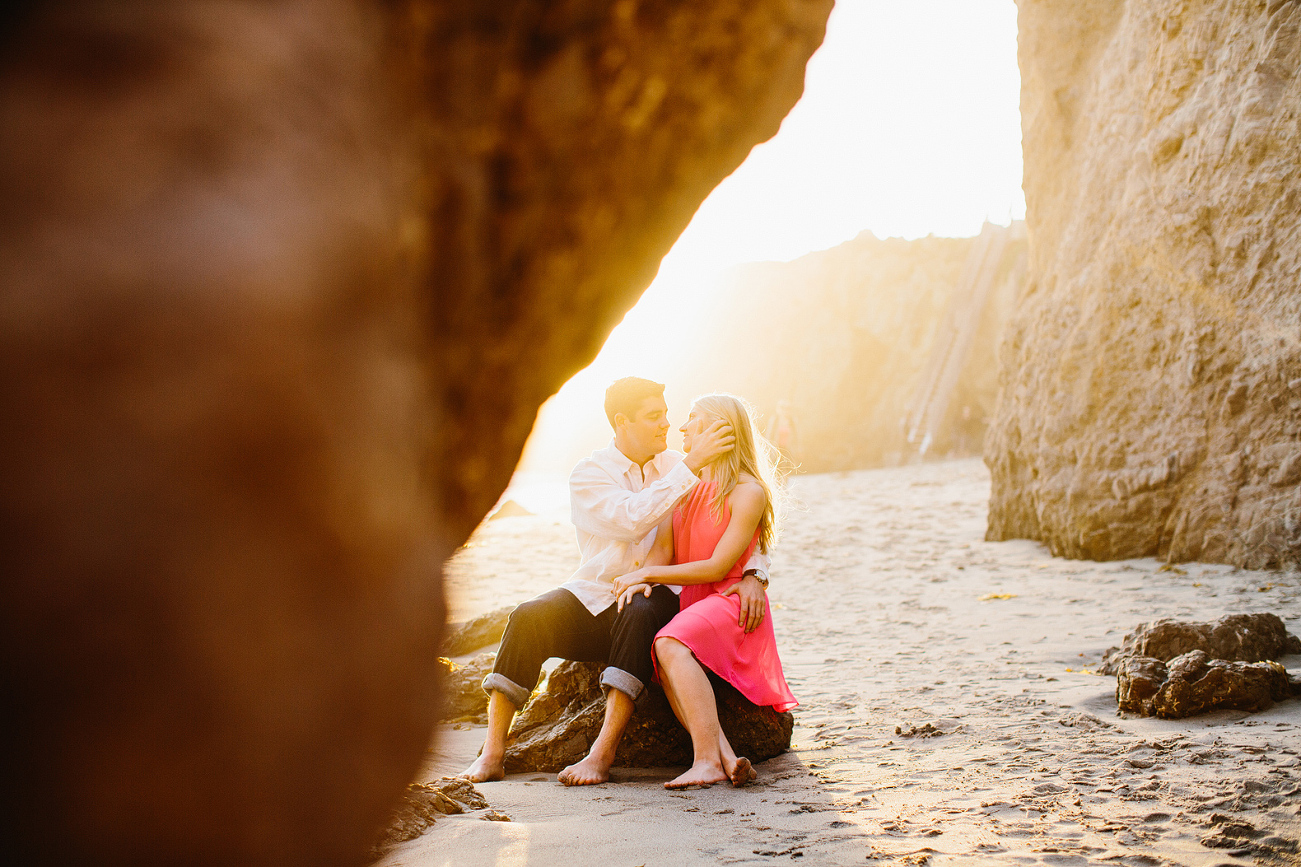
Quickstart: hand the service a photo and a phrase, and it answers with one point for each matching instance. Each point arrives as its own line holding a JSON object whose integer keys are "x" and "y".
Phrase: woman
{"x": 702, "y": 546}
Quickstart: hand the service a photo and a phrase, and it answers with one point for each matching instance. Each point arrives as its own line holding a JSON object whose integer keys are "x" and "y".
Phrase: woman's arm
{"x": 748, "y": 502}
{"x": 661, "y": 553}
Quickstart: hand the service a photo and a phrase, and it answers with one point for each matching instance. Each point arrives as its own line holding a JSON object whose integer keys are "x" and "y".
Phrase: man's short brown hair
{"x": 627, "y": 395}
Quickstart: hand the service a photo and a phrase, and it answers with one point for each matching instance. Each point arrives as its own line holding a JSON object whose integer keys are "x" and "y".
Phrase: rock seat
{"x": 559, "y": 723}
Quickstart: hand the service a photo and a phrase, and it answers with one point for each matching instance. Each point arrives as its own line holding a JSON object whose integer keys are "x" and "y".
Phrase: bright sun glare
{"x": 909, "y": 125}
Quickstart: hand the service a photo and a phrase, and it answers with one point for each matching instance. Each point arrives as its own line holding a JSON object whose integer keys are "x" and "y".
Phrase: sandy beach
{"x": 949, "y": 713}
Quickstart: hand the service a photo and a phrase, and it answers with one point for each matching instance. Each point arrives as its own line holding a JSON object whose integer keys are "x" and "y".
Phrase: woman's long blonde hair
{"x": 752, "y": 455}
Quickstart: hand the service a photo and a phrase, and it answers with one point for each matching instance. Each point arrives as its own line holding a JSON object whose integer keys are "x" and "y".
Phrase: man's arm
{"x": 604, "y": 508}
{"x": 761, "y": 563}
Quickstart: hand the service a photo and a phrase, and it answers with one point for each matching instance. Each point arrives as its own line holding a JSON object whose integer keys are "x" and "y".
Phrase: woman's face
{"x": 696, "y": 422}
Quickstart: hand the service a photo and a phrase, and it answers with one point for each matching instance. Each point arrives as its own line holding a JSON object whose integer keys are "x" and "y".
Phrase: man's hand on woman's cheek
{"x": 710, "y": 444}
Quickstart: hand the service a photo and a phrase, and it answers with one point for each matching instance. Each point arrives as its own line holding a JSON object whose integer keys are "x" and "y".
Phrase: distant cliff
{"x": 843, "y": 337}
{"x": 1151, "y": 375}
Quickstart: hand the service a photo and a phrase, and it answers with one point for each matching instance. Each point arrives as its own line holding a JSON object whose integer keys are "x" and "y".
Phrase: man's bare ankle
{"x": 484, "y": 769}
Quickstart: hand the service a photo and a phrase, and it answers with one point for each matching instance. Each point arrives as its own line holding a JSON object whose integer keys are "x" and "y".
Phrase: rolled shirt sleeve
{"x": 759, "y": 562}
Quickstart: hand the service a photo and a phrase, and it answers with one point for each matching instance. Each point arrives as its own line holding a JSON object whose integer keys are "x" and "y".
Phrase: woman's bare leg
{"x": 693, "y": 702}
{"x": 725, "y": 751}
{"x": 738, "y": 770}
{"x": 670, "y": 694}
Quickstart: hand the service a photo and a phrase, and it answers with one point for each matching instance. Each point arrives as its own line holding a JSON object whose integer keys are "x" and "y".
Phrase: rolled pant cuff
{"x": 515, "y": 694}
{"x": 617, "y": 678}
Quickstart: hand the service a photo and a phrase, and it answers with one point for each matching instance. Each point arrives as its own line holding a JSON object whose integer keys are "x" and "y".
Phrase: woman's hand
{"x": 623, "y": 582}
{"x": 626, "y": 596}
{"x": 754, "y": 602}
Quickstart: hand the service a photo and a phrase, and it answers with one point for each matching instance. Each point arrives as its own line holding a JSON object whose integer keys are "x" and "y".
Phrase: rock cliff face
{"x": 842, "y": 337}
{"x": 1151, "y": 375}
{"x": 282, "y": 284}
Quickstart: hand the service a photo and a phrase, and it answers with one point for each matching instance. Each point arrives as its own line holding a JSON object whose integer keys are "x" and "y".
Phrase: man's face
{"x": 648, "y": 430}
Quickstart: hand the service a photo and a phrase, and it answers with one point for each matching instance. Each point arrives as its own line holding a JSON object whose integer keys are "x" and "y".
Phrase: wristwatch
{"x": 758, "y": 576}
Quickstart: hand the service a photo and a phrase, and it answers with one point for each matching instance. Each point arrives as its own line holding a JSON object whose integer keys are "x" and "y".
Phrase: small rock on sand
{"x": 1194, "y": 683}
{"x": 422, "y": 803}
{"x": 1237, "y": 637}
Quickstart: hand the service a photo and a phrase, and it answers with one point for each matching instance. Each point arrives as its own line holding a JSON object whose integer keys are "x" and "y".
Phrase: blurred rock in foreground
{"x": 1151, "y": 373}
{"x": 282, "y": 285}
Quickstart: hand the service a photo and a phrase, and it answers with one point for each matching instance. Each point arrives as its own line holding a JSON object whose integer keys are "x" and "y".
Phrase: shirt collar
{"x": 621, "y": 464}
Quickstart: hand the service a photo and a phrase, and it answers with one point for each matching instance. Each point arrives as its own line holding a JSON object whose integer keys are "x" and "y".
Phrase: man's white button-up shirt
{"x": 616, "y": 509}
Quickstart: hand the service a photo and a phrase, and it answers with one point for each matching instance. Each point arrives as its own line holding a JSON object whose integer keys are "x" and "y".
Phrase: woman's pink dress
{"x": 707, "y": 622}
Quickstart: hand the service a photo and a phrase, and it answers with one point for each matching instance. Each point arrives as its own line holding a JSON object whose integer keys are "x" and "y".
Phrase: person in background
{"x": 783, "y": 434}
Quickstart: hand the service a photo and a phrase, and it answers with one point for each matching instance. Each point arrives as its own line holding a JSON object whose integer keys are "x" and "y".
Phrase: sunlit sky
{"x": 909, "y": 126}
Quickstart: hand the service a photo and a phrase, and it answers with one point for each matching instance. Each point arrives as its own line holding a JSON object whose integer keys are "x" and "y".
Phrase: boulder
{"x": 463, "y": 697}
{"x": 508, "y": 509}
{"x": 479, "y": 632}
{"x": 559, "y": 723}
{"x": 1193, "y": 683}
{"x": 282, "y": 286}
{"x": 422, "y": 804}
{"x": 1240, "y": 637}
{"x": 1150, "y": 373}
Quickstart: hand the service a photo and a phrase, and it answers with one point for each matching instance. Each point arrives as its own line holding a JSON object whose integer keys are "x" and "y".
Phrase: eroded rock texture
{"x": 559, "y": 723}
{"x": 282, "y": 284}
{"x": 422, "y": 804}
{"x": 1194, "y": 683}
{"x": 1236, "y": 637}
{"x": 463, "y": 695}
{"x": 476, "y": 633}
{"x": 1151, "y": 376}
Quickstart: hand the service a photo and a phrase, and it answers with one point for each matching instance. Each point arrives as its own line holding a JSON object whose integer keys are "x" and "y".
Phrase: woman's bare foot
{"x": 742, "y": 773}
{"x": 589, "y": 772}
{"x": 700, "y": 774}
{"x": 484, "y": 770}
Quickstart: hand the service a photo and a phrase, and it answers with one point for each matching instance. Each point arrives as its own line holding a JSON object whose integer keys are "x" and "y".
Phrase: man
{"x": 618, "y": 496}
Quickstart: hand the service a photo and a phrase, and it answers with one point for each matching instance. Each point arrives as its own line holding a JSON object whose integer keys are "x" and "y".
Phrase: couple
{"x": 651, "y": 525}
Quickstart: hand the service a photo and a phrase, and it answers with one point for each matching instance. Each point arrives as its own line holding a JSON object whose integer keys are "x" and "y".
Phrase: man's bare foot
{"x": 588, "y": 772}
{"x": 742, "y": 773}
{"x": 484, "y": 771}
{"x": 700, "y": 774}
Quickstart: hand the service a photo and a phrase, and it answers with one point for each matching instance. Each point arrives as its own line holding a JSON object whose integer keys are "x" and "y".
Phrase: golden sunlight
{"x": 909, "y": 126}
